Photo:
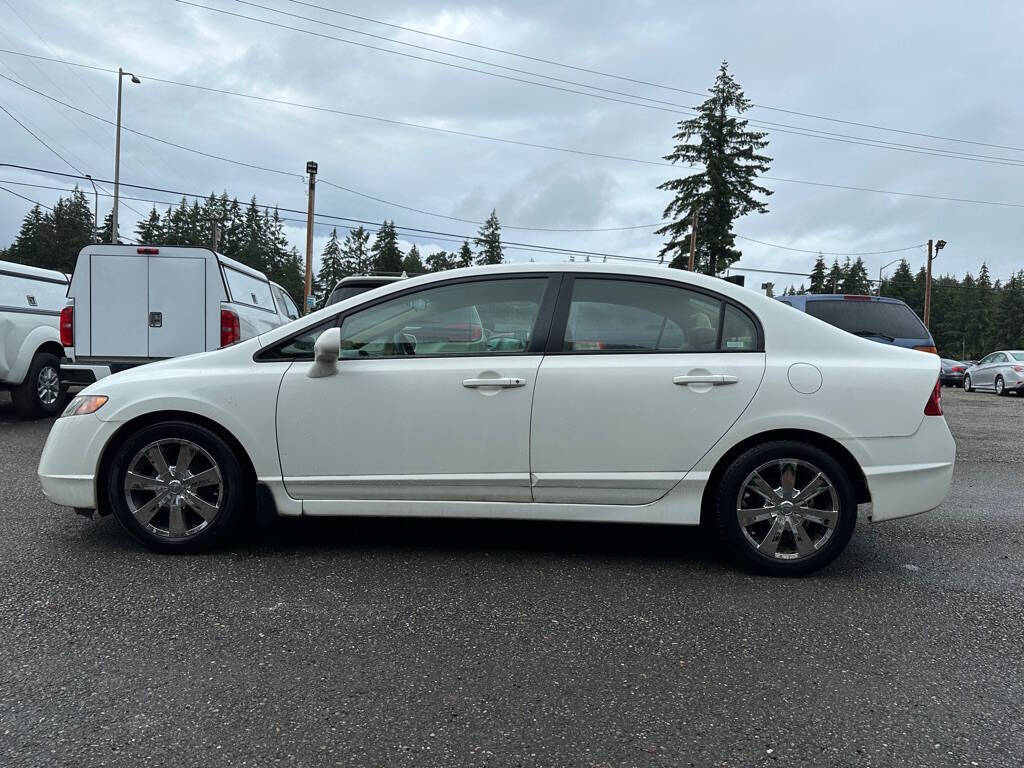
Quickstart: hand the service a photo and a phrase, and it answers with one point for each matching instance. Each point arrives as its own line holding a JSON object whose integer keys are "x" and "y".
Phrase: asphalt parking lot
{"x": 443, "y": 643}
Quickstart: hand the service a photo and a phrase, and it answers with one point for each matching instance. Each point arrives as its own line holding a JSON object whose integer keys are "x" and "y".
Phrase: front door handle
{"x": 505, "y": 382}
{"x": 715, "y": 379}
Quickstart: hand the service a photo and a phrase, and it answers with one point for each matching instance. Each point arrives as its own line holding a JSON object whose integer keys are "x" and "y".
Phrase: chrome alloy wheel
{"x": 787, "y": 509}
{"x": 173, "y": 488}
{"x": 48, "y": 386}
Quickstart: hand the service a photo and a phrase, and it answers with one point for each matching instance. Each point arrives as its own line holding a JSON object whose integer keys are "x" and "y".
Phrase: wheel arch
{"x": 144, "y": 420}
{"x": 831, "y": 446}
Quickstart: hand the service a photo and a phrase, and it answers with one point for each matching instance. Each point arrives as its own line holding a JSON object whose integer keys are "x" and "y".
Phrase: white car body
{"x": 136, "y": 304}
{"x": 601, "y": 437}
{"x": 30, "y": 304}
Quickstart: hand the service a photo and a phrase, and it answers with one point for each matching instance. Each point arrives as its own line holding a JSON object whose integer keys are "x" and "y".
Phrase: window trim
{"x": 556, "y": 337}
{"x": 538, "y": 337}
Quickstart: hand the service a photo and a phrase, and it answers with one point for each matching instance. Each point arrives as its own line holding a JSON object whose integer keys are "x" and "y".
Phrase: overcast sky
{"x": 948, "y": 69}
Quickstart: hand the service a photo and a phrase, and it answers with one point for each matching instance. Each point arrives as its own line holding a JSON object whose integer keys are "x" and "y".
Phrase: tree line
{"x": 252, "y": 234}
{"x": 970, "y": 316}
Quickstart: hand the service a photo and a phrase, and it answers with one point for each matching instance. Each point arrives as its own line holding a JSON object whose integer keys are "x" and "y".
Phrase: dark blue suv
{"x": 889, "y": 321}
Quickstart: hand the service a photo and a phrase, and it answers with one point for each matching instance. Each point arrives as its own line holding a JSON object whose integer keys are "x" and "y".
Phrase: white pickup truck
{"x": 30, "y": 350}
{"x": 129, "y": 305}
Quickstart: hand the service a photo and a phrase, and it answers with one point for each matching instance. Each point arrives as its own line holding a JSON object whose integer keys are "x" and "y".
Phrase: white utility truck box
{"x": 128, "y": 305}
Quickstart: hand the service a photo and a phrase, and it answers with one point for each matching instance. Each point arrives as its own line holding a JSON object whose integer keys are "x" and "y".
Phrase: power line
{"x": 649, "y": 83}
{"x": 831, "y": 253}
{"x": 671, "y": 107}
{"x": 31, "y": 133}
{"x": 28, "y": 199}
{"x": 467, "y": 134}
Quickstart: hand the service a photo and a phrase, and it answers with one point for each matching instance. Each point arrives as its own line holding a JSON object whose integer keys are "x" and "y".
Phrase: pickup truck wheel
{"x": 176, "y": 487}
{"x": 41, "y": 393}
{"x": 786, "y": 508}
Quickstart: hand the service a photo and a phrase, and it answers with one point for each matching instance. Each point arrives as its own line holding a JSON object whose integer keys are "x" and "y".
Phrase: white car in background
{"x": 129, "y": 305}
{"x": 567, "y": 392}
{"x": 30, "y": 351}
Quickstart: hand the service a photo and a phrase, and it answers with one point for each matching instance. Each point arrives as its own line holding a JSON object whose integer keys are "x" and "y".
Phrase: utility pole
{"x": 693, "y": 235}
{"x": 928, "y": 281}
{"x": 308, "y": 291}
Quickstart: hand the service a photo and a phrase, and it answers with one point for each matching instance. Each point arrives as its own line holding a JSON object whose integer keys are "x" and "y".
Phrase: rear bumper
{"x": 81, "y": 375}
{"x": 70, "y": 458}
{"x": 910, "y": 475}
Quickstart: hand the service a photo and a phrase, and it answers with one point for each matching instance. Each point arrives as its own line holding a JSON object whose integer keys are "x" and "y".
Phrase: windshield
{"x": 880, "y": 318}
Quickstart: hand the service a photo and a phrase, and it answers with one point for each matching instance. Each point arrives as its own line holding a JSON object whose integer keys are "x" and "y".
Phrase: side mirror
{"x": 325, "y": 354}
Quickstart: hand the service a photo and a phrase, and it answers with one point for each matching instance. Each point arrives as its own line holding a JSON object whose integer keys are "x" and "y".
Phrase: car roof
{"x": 840, "y": 296}
{"x": 369, "y": 279}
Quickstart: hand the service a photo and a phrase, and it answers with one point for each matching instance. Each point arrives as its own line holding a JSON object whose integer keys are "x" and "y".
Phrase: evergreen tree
{"x": 834, "y": 279}
{"x": 488, "y": 241}
{"x": 465, "y": 256}
{"x": 387, "y": 256}
{"x": 412, "y": 264}
{"x": 819, "y": 279}
{"x": 440, "y": 261}
{"x": 251, "y": 248}
{"x": 986, "y": 306}
{"x": 901, "y": 284}
{"x": 27, "y": 246}
{"x": 855, "y": 278}
{"x": 332, "y": 267}
{"x": 291, "y": 276}
{"x": 150, "y": 229}
{"x": 725, "y": 189}
{"x": 355, "y": 252}
{"x": 1008, "y": 324}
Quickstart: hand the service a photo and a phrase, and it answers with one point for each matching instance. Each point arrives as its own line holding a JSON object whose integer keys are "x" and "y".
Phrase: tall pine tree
{"x": 819, "y": 278}
{"x": 387, "y": 256}
{"x": 725, "y": 189}
{"x": 465, "y": 255}
{"x": 488, "y": 241}
{"x": 355, "y": 253}
{"x": 331, "y": 267}
{"x": 412, "y": 264}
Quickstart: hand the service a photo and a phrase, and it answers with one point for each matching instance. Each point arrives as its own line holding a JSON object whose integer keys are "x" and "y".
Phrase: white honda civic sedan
{"x": 566, "y": 392}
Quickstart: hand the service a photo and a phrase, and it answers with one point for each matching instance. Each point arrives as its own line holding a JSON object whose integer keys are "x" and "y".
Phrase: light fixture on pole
{"x": 880, "y": 273}
{"x": 117, "y": 153}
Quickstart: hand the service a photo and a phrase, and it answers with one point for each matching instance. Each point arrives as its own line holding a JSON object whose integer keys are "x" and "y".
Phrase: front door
{"x": 644, "y": 379}
{"x": 431, "y": 399}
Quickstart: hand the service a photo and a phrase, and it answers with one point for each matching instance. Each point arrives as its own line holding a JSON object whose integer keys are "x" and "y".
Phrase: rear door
{"x": 641, "y": 378}
{"x": 177, "y": 306}
{"x": 119, "y": 304}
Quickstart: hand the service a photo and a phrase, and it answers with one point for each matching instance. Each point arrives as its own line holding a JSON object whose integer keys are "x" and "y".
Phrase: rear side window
{"x": 632, "y": 316}
{"x": 1018, "y": 356}
{"x": 285, "y": 304}
{"x": 886, "y": 318}
{"x": 246, "y": 289}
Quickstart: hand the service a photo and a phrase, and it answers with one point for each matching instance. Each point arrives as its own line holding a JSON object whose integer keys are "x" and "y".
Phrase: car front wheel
{"x": 175, "y": 487}
{"x": 786, "y": 508}
{"x": 967, "y": 384}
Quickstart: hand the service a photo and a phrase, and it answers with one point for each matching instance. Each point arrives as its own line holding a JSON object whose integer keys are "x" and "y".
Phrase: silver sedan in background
{"x": 1000, "y": 372}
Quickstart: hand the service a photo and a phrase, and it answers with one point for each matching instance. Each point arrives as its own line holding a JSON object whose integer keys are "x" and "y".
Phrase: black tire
{"x": 728, "y": 493}
{"x": 231, "y": 497}
{"x": 28, "y": 401}
{"x": 967, "y": 384}
{"x": 1000, "y": 386}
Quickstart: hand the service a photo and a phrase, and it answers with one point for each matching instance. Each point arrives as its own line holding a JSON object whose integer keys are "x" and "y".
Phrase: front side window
{"x": 483, "y": 317}
{"x": 285, "y": 305}
{"x": 632, "y": 316}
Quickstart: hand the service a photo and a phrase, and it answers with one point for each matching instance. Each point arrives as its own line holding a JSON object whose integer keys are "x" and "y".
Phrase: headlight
{"x": 84, "y": 404}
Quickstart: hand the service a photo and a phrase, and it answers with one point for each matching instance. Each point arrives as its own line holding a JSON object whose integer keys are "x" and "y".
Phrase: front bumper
{"x": 71, "y": 457}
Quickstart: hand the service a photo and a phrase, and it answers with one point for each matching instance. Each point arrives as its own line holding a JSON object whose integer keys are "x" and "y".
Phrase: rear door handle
{"x": 505, "y": 382}
{"x": 715, "y": 379}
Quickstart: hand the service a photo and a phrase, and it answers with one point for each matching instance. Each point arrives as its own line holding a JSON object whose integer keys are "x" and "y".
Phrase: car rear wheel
{"x": 967, "y": 384}
{"x": 175, "y": 487}
{"x": 786, "y": 508}
{"x": 1000, "y": 386}
{"x": 41, "y": 393}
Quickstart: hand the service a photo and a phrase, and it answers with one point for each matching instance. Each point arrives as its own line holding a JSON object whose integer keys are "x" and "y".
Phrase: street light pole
{"x": 117, "y": 154}
{"x": 95, "y": 210}
{"x": 939, "y": 245}
{"x": 880, "y": 273}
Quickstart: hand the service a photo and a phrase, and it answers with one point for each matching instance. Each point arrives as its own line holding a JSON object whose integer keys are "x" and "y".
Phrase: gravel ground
{"x": 444, "y": 643}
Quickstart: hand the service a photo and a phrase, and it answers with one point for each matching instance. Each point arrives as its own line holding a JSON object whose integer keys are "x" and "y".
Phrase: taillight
{"x": 1019, "y": 368}
{"x": 958, "y": 369}
{"x": 230, "y": 330}
{"x": 67, "y": 326}
{"x": 587, "y": 346}
{"x": 463, "y": 332}
{"x": 930, "y": 350}
{"x": 934, "y": 405}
